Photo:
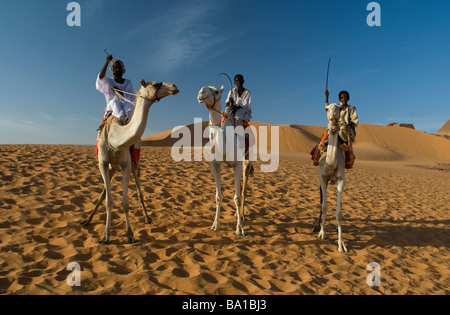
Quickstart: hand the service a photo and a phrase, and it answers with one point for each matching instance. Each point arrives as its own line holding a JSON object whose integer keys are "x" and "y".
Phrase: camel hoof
{"x": 215, "y": 227}
{"x": 148, "y": 221}
{"x": 104, "y": 241}
{"x": 240, "y": 231}
{"x": 343, "y": 249}
{"x": 85, "y": 222}
{"x": 321, "y": 235}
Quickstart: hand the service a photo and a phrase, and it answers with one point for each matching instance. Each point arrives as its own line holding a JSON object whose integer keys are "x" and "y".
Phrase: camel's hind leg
{"x": 135, "y": 169}
{"x": 97, "y": 205}
{"x": 99, "y": 202}
{"x": 237, "y": 198}
{"x": 318, "y": 222}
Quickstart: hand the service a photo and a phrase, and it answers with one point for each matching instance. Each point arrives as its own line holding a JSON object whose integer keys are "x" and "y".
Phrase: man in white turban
{"x": 115, "y": 105}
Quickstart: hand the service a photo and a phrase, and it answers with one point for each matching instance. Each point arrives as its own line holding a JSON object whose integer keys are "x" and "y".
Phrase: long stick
{"x": 231, "y": 84}
{"x": 328, "y": 71}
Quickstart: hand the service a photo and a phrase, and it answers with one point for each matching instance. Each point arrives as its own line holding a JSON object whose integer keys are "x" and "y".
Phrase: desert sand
{"x": 395, "y": 213}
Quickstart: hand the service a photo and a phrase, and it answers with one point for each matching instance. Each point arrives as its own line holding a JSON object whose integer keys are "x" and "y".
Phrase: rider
{"x": 239, "y": 101}
{"x": 115, "y": 105}
{"x": 241, "y": 98}
{"x": 349, "y": 119}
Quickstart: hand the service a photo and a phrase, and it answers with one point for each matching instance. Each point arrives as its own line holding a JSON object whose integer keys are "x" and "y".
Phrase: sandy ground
{"x": 395, "y": 213}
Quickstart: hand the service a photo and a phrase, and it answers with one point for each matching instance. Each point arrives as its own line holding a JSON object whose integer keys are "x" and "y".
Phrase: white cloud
{"x": 182, "y": 36}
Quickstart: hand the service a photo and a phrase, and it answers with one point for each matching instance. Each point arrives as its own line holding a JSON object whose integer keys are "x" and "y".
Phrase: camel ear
{"x": 222, "y": 88}
{"x": 143, "y": 83}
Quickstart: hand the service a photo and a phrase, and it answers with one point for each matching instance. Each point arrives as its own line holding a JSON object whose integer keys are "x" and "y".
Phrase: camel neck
{"x": 126, "y": 136}
{"x": 333, "y": 150}
{"x": 215, "y": 117}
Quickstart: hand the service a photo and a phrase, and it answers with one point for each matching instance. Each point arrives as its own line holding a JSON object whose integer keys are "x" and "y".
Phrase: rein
{"x": 118, "y": 91}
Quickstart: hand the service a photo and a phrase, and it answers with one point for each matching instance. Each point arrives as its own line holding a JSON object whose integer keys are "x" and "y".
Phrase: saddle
{"x": 316, "y": 153}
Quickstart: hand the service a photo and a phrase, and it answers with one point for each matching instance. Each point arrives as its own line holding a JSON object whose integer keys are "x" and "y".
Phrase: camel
{"x": 114, "y": 154}
{"x": 211, "y": 97}
{"x": 332, "y": 169}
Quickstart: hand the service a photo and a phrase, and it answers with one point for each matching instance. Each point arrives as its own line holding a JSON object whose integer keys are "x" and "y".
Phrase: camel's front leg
{"x": 247, "y": 169}
{"x": 340, "y": 189}
{"x": 215, "y": 167}
{"x": 104, "y": 170}
{"x": 323, "y": 185}
{"x": 126, "y": 168}
{"x": 237, "y": 198}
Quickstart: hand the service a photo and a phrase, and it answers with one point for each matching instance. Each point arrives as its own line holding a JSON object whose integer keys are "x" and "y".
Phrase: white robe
{"x": 119, "y": 108}
{"x": 244, "y": 100}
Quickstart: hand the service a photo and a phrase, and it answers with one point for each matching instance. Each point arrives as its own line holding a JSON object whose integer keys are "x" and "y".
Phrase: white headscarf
{"x": 112, "y": 65}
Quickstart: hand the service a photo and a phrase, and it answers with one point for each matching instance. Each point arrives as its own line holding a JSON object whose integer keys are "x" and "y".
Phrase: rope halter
{"x": 157, "y": 99}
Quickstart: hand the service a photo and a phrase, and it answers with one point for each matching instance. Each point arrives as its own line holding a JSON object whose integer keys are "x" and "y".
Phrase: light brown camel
{"x": 211, "y": 97}
{"x": 114, "y": 154}
{"x": 332, "y": 169}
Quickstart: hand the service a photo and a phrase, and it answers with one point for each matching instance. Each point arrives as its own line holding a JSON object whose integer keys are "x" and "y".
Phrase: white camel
{"x": 332, "y": 169}
{"x": 211, "y": 97}
{"x": 114, "y": 153}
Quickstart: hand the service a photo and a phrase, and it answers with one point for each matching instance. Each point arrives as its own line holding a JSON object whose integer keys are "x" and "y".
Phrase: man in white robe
{"x": 114, "y": 105}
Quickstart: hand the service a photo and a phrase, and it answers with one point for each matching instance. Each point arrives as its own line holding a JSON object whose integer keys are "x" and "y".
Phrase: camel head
{"x": 334, "y": 111}
{"x": 209, "y": 95}
{"x": 157, "y": 90}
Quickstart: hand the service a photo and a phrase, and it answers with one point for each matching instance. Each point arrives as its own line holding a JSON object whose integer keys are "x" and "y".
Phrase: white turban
{"x": 112, "y": 65}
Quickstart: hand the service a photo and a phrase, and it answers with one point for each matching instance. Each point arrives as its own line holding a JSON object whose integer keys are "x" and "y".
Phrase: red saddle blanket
{"x": 349, "y": 157}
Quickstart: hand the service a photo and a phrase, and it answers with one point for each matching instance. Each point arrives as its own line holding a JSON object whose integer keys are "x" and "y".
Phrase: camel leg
{"x": 237, "y": 197}
{"x": 104, "y": 170}
{"x": 136, "y": 174}
{"x": 318, "y": 222}
{"x": 340, "y": 189}
{"x": 99, "y": 202}
{"x": 97, "y": 205}
{"x": 247, "y": 169}
{"x": 126, "y": 169}
{"x": 216, "y": 173}
{"x": 323, "y": 185}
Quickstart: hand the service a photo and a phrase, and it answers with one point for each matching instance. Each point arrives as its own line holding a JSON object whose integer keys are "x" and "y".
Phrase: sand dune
{"x": 395, "y": 210}
{"x": 374, "y": 142}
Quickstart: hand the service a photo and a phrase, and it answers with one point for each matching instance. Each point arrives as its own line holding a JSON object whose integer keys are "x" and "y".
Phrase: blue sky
{"x": 398, "y": 72}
